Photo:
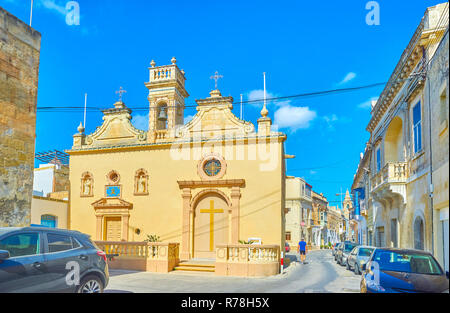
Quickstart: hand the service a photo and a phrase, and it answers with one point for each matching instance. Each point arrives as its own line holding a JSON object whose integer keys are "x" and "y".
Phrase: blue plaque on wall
{"x": 113, "y": 191}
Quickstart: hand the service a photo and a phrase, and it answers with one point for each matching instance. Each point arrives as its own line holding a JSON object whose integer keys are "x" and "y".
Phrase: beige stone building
{"x": 408, "y": 188}
{"x": 334, "y": 222}
{"x": 319, "y": 229}
{"x": 360, "y": 187}
{"x": 50, "y": 202}
{"x": 206, "y": 184}
{"x": 437, "y": 95}
{"x": 299, "y": 211}
{"x": 19, "y": 69}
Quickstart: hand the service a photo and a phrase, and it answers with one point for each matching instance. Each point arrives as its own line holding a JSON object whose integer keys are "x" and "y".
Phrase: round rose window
{"x": 212, "y": 167}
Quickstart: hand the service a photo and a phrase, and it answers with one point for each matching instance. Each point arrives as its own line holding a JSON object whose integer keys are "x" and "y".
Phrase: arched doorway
{"x": 418, "y": 234}
{"x": 210, "y": 224}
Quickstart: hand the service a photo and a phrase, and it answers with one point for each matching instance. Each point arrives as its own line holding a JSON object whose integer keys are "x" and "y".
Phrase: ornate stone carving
{"x": 212, "y": 167}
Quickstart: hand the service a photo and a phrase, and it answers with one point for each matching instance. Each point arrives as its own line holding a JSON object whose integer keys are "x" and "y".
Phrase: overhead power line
{"x": 302, "y": 95}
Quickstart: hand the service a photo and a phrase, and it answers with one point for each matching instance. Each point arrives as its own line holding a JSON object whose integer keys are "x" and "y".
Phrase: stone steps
{"x": 195, "y": 267}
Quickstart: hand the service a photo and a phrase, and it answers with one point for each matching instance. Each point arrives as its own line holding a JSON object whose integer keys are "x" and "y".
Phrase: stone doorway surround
{"x": 189, "y": 203}
{"x": 112, "y": 207}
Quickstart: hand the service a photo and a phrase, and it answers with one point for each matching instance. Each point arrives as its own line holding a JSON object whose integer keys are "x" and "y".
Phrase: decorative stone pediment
{"x": 112, "y": 203}
{"x": 215, "y": 119}
{"x": 115, "y": 130}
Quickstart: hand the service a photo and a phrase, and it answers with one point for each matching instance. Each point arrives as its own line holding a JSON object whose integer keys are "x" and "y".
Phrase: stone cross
{"x": 211, "y": 212}
{"x": 216, "y": 77}
{"x": 120, "y": 92}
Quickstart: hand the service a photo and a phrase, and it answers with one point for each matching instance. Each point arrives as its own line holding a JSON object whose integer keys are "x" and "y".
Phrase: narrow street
{"x": 319, "y": 274}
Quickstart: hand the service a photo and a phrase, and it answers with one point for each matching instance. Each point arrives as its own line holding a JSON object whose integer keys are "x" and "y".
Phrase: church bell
{"x": 162, "y": 115}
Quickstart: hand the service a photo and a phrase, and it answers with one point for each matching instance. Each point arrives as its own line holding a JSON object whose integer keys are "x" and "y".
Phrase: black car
{"x": 40, "y": 259}
{"x": 392, "y": 270}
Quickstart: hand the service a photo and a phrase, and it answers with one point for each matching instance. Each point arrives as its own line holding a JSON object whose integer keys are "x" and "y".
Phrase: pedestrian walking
{"x": 302, "y": 250}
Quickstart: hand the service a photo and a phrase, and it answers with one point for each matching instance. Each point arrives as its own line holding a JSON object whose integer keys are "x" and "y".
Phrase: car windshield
{"x": 365, "y": 251}
{"x": 408, "y": 262}
{"x": 349, "y": 247}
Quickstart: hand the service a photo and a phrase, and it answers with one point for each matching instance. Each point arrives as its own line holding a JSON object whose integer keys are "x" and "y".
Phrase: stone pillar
{"x": 235, "y": 208}
{"x": 99, "y": 227}
{"x": 186, "y": 227}
{"x": 125, "y": 222}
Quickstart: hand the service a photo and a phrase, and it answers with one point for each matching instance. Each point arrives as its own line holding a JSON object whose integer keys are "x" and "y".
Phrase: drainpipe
{"x": 431, "y": 187}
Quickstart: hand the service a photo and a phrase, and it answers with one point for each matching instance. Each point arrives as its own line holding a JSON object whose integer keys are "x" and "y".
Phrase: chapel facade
{"x": 214, "y": 180}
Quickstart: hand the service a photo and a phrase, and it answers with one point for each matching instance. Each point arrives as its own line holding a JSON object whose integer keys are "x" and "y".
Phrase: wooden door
{"x": 113, "y": 229}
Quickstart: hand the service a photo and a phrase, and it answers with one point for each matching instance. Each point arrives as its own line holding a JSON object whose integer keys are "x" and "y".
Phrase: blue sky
{"x": 303, "y": 46}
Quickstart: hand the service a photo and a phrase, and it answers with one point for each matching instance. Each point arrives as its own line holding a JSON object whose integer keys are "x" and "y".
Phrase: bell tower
{"x": 166, "y": 98}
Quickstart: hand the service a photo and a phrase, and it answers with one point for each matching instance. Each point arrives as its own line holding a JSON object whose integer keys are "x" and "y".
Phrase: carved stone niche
{"x": 87, "y": 185}
{"x": 141, "y": 182}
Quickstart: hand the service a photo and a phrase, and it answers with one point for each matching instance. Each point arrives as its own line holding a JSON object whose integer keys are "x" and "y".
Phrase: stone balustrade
{"x": 392, "y": 172}
{"x": 159, "y": 257}
{"x": 161, "y": 134}
{"x": 247, "y": 260}
{"x": 166, "y": 73}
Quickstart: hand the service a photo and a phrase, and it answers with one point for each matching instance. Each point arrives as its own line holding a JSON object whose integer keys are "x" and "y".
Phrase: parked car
{"x": 344, "y": 251}
{"x": 403, "y": 270}
{"x": 336, "y": 250}
{"x": 40, "y": 259}
{"x": 357, "y": 257}
{"x": 287, "y": 248}
{"x": 334, "y": 247}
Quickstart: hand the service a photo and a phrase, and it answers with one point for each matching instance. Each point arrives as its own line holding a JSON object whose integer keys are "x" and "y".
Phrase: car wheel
{"x": 357, "y": 269}
{"x": 348, "y": 266}
{"x": 90, "y": 284}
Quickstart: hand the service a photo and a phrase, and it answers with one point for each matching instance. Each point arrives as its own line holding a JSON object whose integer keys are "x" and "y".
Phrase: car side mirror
{"x": 4, "y": 254}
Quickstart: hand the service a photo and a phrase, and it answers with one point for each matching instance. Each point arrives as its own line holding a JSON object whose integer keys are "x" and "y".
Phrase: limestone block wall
{"x": 19, "y": 69}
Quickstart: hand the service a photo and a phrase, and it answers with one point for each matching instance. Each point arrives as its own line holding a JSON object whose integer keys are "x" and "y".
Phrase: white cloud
{"x": 312, "y": 172}
{"x": 54, "y": 5}
{"x": 330, "y": 120}
{"x": 350, "y": 76}
{"x": 294, "y": 118}
{"x": 188, "y": 118}
{"x": 140, "y": 121}
{"x": 367, "y": 104}
{"x": 258, "y": 94}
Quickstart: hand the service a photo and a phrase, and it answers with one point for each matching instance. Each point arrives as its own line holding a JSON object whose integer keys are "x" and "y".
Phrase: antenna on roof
{"x": 85, "y": 102}
{"x": 31, "y": 12}
{"x": 241, "y": 107}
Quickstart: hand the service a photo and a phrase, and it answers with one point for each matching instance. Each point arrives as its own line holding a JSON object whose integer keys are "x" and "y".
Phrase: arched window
{"x": 49, "y": 220}
{"x": 161, "y": 116}
{"x": 418, "y": 234}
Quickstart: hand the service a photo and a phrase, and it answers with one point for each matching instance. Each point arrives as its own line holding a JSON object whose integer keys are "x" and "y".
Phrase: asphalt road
{"x": 319, "y": 274}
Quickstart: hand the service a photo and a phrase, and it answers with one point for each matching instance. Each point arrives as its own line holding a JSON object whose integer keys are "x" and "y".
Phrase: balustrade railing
{"x": 392, "y": 172}
{"x": 129, "y": 253}
{"x": 161, "y": 134}
{"x": 248, "y": 253}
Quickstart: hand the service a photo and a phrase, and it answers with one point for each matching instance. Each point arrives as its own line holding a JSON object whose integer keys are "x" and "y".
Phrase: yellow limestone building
{"x": 213, "y": 181}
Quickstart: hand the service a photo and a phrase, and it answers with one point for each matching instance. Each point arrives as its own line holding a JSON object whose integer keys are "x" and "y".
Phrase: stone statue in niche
{"x": 87, "y": 186}
{"x": 141, "y": 182}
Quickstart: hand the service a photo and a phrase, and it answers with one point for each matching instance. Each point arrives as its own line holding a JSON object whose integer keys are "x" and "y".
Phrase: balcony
{"x": 391, "y": 180}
